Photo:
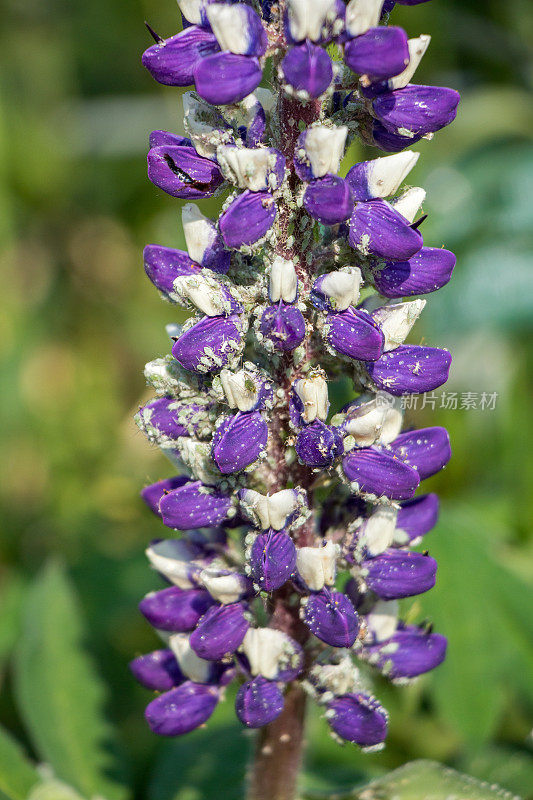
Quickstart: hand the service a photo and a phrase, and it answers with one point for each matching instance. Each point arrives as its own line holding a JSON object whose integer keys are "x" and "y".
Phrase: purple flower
{"x": 181, "y": 710}
{"x": 175, "y": 609}
{"x": 164, "y": 264}
{"x": 153, "y": 494}
{"x": 318, "y": 444}
{"x": 209, "y": 345}
{"x": 172, "y": 61}
{"x": 181, "y": 172}
{"x": 158, "y": 670}
{"x": 258, "y": 702}
{"x": 358, "y": 718}
{"x": 284, "y": 325}
{"x": 376, "y": 229}
{"x": 329, "y": 199}
{"x": 354, "y": 333}
{"x": 332, "y": 618}
{"x": 247, "y": 219}
{"x": 427, "y": 450}
{"x": 381, "y": 177}
{"x": 272, "y": 559}
{"x": 410, "y": 369}
{"x": 224, "y": 78}
{"x": 220, "y": 631}
{"x": 389, "y": 141}
{"x": 418, "y": 516}
{"x": 194, "y": 505}
{"x": 379, "y": 53}
{"x": 307, "y": 68}
{"x": 239, "y": 441}
{"x": 159, "y": 418}
{"x": 379, "y": 473}
{"x": 397, "y": 573}
{"x": 410, "y": 652}
{"x": 417, "y": 109}
{"x": 428, "y": 270}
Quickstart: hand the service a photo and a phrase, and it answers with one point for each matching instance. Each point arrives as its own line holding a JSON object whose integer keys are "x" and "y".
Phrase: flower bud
{"x": 332, "y": 618}
{"x": 378, "y": 530}
{"x": 272, "y": 654}
{"x": 284, "y": 325}
{"x": 239, "y": 441}
{"x": 416, "y": 517}
{"x": 177, "y": 560}
{"x": 408, "y": 204}
{"x": 164, "y": 264}
{"x": 253, "y": 113}
{"x": 417, "y": 48}
{"x": 258, "y": 702}
{"x": 306, "y": 18}
{"x": 358, "y": 718}
{"x": 312, "y": 394}
{"x": 210, "y": 344}
{"x": 194, "y": 10}
{"x": 272, "y": 559}
{"x": 362, "y": 15}
{"x": 275, "y": 511}
{"x": 379, "y": 53}
{"x": 318, "y": 445}
{"x": 428, "y": 270}
{"x": 158, "y": 670}
{"x": 159, "y": 419}
{"x": 181, "y": 710}
{"x": 376, "y": 229}
{"x": 378, "y": 473}
{"x": 224, "y": 78}
{"x": 283, "y": 283}
{"x": 372, "y": 421}
{"x": 427, "y": 450}
{"x": 396, "y": 321}
{"x": 225, "y": 586}
{"x": 381, "y": 621}
{"x": 205, "y": 125}
{"x": 317, "y": 565}
{"x": 251, "y": 168}
{"x": 175, "y": 609}
{"x": 194, "y": 506}
{"x": 172, "y": 61}
{"x": 410, "y": 369}
{"x": 417, "y": 109}
{"x": 220, "y": 632}
{"x": 307, "y": 69}
{"x": 319, "y": 151}
{"x": 206, "y": 294}
{"x": 194, "y": 668}
{"x": 397, "y": 573}
{"x": 380, "y": 177}
{"x": 246, "y": 220}
{"x": 153, "y": 494}
{"x": 328, "y": 200}
{"x": 245, "y": 389}
{"x": 204, "y": 242}
{"x": 181, "y": 172}
{"x": 237, "y": 28}
{"x": 410, "y": 652}
{"x": 354, "y": 333}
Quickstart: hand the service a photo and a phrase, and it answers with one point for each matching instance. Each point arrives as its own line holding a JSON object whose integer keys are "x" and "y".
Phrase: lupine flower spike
{"x": 289, "y": 528}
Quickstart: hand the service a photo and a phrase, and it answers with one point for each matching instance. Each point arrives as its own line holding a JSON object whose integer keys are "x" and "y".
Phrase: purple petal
{"x": 380, "y": 53}
{"x": 410, "y": 369}
{"x": 428, "y": 270}
{"x": 418, "y": 516}
{"x": 355, "y": 334}
{"x": 247, "y": 218}
{"x": 239, "y": 441}
{"x": 224, "y": 78}
{"x": 307, "y": 67}
{"x": 389, "y": 141}
{"x": 164, "y": 264}
{"x": 332, "y": 618}
{"x": 284, "y": 325}
{"x": 427, "y": 450}
{"x": 161, "y": 138}
{"x": 329, "y": 199}
{"x": 153, "y": 494}
{"x": 410, "y": 652}
{"x": 379, "y": 473}
{"x": 158, "y": 670}
{"x": 418, "y": 109}
{"x": 272, "y": 559}
{"x": 182, "y": 709}
{"x": 160, "y": 416}
{"x": 258, "y": 702}
{"x": 174, "y": 609}
{"x": 358, "y": 718}
{"x": 318, "y": 444}
{"x": 377, "y": 229}
{"x": 181, "y": 172}
{"x": 173, "y": 60}
{"x": 397, "y": 573}
{"x": 221, "y": 336}
{"x": 220, "y": 632}
{"x": 194, "y": 506}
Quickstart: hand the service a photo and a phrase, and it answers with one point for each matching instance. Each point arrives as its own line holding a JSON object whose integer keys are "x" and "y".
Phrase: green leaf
{"x": 423, "y": 780}
{"x": 17, "y": 773}
{"x": 60, "y": 696}
{"x": 507, "y": 766}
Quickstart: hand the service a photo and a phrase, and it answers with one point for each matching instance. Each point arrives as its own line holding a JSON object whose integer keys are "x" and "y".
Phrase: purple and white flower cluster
{"x": 291, "y": 530}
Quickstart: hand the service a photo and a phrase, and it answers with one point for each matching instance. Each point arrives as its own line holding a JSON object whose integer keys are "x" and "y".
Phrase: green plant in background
{"x": 77, "y": 321}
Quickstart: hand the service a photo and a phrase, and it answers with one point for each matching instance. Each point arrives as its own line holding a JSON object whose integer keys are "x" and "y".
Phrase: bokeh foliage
{"x": 78, "y": 322}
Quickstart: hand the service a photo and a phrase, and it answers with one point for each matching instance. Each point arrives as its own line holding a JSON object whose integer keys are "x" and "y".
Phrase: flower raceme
{"x": 290, "y": 530}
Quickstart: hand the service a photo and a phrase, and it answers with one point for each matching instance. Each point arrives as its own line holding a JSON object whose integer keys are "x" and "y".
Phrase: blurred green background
{"x": 78, "y": 322}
